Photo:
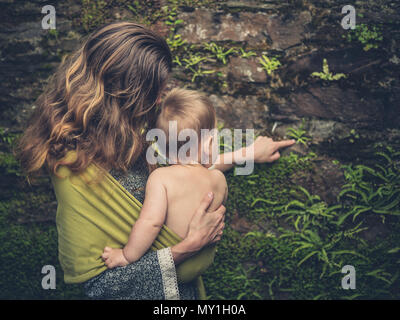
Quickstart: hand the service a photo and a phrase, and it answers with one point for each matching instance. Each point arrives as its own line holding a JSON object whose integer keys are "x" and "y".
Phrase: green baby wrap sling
{"x": 95, "y": 211}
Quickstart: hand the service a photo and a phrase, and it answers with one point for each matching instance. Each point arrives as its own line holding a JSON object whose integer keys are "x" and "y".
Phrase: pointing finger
{"x": 284, "y": 143}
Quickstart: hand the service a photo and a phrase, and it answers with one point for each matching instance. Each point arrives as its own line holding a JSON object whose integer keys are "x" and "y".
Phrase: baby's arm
{"x": 146, "y": 228}
{"x": 151, "y": 219}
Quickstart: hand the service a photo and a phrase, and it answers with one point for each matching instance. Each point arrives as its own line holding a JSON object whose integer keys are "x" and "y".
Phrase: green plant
{"x": 324, "y": 249}
{"x": 193, "y": 63}
{"x": 144, "y": 14}
{"x": 193, "y": 59}
{"x": 8, "y": 164}
{"x": 173, "y": 21}
{"x": 193, "y": 3}
{"x": 218, "y": 51}
{"x": 375, "y": 189}
{"x": 381, "y": 275}
{"x": 326, "y": 74}
{"x": 28, "y": 246}
{"x": 269, "y": 64}
{"x": 177, "y": 60}
{"x": 134, "y": 7}
{"x": 172, "y": 16}
{"x": 243, "y": 276}
{"x": 300, "y": 135}
{"x": 308, "y": 212}
{"x": 199, "y": 72}
{"x": 175, "y": 41}
{"x": 7, "y": 137}
{"x": 311, "y": 241}
{"x": 53, "y": 33}
{"x": 245, "y": 54}
{"x": 353, "y": 135}
{"x": 368, "y": 37}
{"x": 93, "y": 13}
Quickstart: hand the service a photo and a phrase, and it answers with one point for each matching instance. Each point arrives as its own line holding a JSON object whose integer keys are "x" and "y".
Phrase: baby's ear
{"x": 214, "y": 144}
{"x": 207, "y": 144}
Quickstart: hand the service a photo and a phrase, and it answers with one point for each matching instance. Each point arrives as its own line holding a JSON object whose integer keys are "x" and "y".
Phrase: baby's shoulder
{"x": 217, "y": 175}
{"x": 166, "y": 173}
{"x": 218, "y": 178}
{"x": 158, "y": 176}
{"x": 160, "y": 173}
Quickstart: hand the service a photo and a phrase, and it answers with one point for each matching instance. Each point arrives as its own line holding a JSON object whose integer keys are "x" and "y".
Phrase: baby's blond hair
{"x": 190, "y": 109}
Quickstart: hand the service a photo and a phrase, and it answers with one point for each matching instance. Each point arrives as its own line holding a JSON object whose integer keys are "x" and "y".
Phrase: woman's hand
{"x": 205, "y": 228}
{"x": 264, "y": 149}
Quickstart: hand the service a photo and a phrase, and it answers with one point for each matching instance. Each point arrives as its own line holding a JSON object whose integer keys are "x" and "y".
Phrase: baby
{"x": 174, "y": 192}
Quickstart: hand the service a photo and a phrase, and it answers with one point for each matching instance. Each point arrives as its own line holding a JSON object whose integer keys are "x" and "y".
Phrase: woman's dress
{"x": 153, "y": 277}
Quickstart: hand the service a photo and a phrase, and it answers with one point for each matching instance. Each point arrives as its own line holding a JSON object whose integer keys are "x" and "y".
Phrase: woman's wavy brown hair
{"x": 99, "y": 102}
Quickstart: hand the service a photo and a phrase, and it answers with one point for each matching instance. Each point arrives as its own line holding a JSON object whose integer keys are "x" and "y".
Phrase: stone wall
{"x": 302, "y": 34}
{"x": 343, "y": 118}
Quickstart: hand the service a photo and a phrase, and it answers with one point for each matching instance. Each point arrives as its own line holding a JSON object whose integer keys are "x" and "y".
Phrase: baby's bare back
{"x": 186, "y": 186}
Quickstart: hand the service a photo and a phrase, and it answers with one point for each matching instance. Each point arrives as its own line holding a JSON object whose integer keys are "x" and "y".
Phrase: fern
{"x": 300, "y": 135}
{"x": 269, "y": 64}
{"x": 326, "y": 74}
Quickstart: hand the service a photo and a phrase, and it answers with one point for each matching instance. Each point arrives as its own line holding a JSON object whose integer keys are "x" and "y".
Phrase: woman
{"x": 95, "y": 112}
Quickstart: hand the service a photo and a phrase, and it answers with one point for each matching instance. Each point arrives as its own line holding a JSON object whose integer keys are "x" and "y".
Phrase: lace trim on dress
{"x": 168, "y": 273}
